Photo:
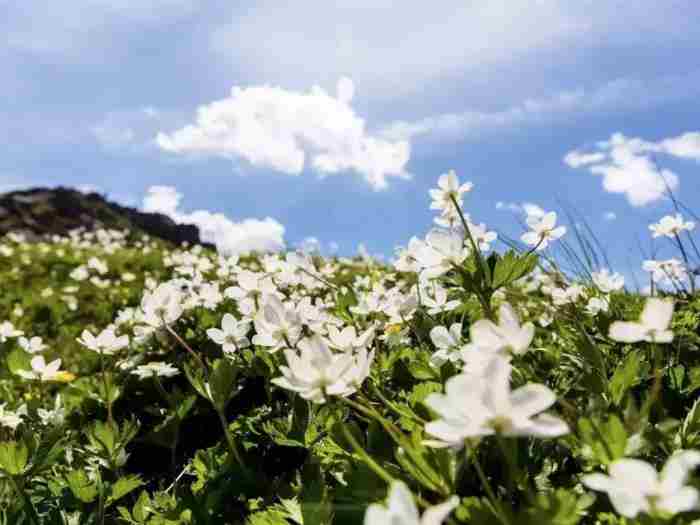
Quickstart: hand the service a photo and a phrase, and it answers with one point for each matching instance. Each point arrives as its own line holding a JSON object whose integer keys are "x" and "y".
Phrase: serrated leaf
{"x": 122, "y": 487}
{"x": 81, "y": 486}
{"x": 13, "y": 457}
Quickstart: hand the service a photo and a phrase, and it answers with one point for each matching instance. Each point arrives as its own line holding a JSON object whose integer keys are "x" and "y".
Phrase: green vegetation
{"x": 288, "y": 389}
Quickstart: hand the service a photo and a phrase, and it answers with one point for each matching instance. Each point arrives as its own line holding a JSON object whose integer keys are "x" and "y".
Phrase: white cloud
{"x": 275, "y": 128}
{"x": 527, "y": 208}
{"x": 228, "y": 236}
{"x": 132, "y": 129}
{"x": 312, "y": 244}
{"x": 89, "y": 188}
{"x": 392, "y": 49}
{"x": 627, "y": 166}
{"x": 686, "y": 146}
{"x": 576, "y": 159}
{"x": 75, "y": 28}
{"x": 618, "y": 95}
{"x": 610, "y": 216}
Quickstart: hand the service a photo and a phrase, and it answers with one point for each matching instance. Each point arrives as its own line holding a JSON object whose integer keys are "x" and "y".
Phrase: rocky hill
{"x": 44, "y": 211}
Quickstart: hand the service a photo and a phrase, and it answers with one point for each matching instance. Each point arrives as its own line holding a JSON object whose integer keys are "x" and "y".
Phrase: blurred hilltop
{"x": 56, "y": 211}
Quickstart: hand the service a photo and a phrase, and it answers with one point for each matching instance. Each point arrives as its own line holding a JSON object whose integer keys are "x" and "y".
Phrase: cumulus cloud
{"x": 610, "y": 216}
{"x": 228, "y": 236}
{"x": 276, "y": 128}
{"x": 627, "y": 164}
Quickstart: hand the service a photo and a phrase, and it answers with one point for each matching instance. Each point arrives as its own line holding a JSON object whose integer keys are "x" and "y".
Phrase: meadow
{"x": 147, "y": 383}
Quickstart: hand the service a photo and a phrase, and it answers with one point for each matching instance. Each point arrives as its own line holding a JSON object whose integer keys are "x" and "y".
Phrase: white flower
{"x": 162, "y": 306}
{"x": 277, "y": 325}
{"x": 596, "y": 305}
{"x": 405, "y": 258}
{"x": 440, "y": 252}
{"x": 670, "y": 226}
{"x": 543, "y": 230}
{"x": 53, "y": 417}
{"x": 652, "y": 326}
{"x": 347, "y": 340}
{"x": 360, "y": 369}
{"x": 316, "y": 372}
{"x": 567, "y": 295}
{"x": 635, "y": 486}
{"x": 608, "y": 282}
{"x": 32, "y": 345}
{"x": 482, "y": 237}
{"x": 107, "y": 342}
{"x": 434, "y": 297}
{"x": 447, "y": 342}
{"x": 671, "y": 270}
{"x": 506, "y": 336}
{"x": 155, "y": 368}
{"x": 7, "y": 330}
{"x": 232, "y": 335}
{"x": 475, "y": 359}
{"x": 79, "y": 274}
{"x": 41, "y": 370}
{"x": 209, "y": 296}
{"x": 12, "y": 419}
{"x": 250, "y": 284}
{"x": 475, "y": 406}
{"x": 401, "y": 510}
{"x": 448, "y": 187}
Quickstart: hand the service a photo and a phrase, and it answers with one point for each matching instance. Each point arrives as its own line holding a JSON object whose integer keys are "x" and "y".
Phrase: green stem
{"x": 489, "y": 491}
{"x": 510, "y": 463}
{"x": 26, "y": 501}
{"x": 393, "y": 407}
{"x": 229, "y": 440}
{"x": 319, "y": 279}
{"x": 485, "y": 303}
{"x": 373, "y": 465}
{"x": 106, "y": 385}
{"x": 691, "y": 277}
{"x": 187, "y": 347}
{"x": 401, "y": 440}
{"x": 173, "y": 407}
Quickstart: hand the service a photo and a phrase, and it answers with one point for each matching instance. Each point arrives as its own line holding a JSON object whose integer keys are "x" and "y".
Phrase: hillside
{"x": 56, "y": 211}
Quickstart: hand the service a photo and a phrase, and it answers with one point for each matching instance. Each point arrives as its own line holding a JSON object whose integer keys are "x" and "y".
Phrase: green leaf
{"x": 13, "y": 457}
{"x": 18, "y": 360}
{"x": 559, "y": 507}
{"x": 626, "y": 375}
{"x": 595, "y": 371}
{"x": 511, "y": 267}
{"x": 222, "y": 379}
{"x": 122, "y": 487}
{"x": 315, "y": 506}
{"x": 423, "y": 371}
{"x": 694, "y": 380}
{"x": 142, "y": 507}
{"x": 476, "y": 510}
{"x": 339, "y": 438}
{"x": 689, "y": 431}
{"x": 605, "y": 441}
{"x": 81, "y": 486}
{"x": 196, "y": 379}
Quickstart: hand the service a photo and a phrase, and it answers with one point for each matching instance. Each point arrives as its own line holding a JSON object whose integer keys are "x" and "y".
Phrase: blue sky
{"x": 100, "y": 93}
